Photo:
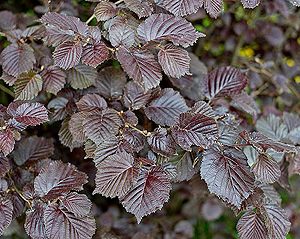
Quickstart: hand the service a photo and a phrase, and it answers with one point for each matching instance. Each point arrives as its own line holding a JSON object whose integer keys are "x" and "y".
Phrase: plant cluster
{"x": 129, "y": 90}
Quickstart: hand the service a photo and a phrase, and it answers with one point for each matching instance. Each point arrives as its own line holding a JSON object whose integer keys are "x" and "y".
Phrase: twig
{"x": 118, "y": 2}
{"x": 143, "y": 132}
{"x": 90, "y": 19}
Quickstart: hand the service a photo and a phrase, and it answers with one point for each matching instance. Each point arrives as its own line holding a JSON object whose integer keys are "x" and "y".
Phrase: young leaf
{"x": 95, "y": 54}
{"x": 116, "y": 175}
{"x": 194, "y": 129}
{"x": 17, "y": 59}
{"x": 141, "y": 66}
{"x": 251, "y": 226}
{"x": 225, "y": 81}
{"x": 165, "y": 109}
{"x": 227, "y": 175}
{"x": 159, "y": 27}
{"x": 180, "y": 7}
{"x": 67, "y": 54}
{"x": 76, "y": 203}
{"x": 174, "y": 61}
{"x": 58, "y": 178}
{"x": 34, "y": 222}
{"x": 54, "y": 79}
{"x": 62, "y": 224}
{"x": 6, "y": 211}
{"x": 28, "y": 86}
{"x": 82, "y": 76}
{"x": 150, "y": 192}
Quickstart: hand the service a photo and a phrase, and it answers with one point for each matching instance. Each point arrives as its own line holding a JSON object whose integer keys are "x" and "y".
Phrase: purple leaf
{"x": 7, "y": 141}
{"x": 110, "y": 82}
{"x": 17, "y": 59}
{"x": 141, "y": 66}
{"x": 67, "y": 54}
{"x": 101, "y": 125}
{"x": 61, "y": 224}
{"x": 8, "y": 21}
{"x": 251, "y": 226}
{"x": 105, "y": 10}
{"x": 121, "y": 35}
{"x": 194, "y": 129}
{"x": 34, "y": 222}
{"x": 58, "y": 178}
{"x": 66, "y": 137}
{"x": 227, "y": 175}
{"x": 165, "y": 109}
{"x": 161, "y": 142}
{"x": 149, "y": 193}
{"x": 82, "y": 76}
{"x": 266, "y": 169}
{"x": 28, "y": 86}
{"x": 143, "y": 8}
{"x": 91, "y": 102}
{"x": 116, "y": 175}
{"x": 180, "y": 7}
{"x": 174, "y": 61}
{"x": 201, "y": 107}
{"x": 225, "y": 81}
{"x": 4, "y": 165}
{"x": 95, "y": 54}
{"x": 159, "y": 27}
{"x": 213, "y": 7}
{"x": 54, "y": 79}
{"x": 135, "y": 97}
{"x": 6, "y": 211}
{"x": 78, "y": 204}
{"x": 250, "y": 3}
{"x": 33, "y": 149}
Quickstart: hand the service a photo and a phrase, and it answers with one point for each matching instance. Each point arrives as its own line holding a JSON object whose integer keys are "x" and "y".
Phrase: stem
{"x": 6, "y": 90}
{"x": 143, "y": 132}
{"x": 118, "y": 2}
{"x": 237, "y": 50}
{"x": 90, "y": 19}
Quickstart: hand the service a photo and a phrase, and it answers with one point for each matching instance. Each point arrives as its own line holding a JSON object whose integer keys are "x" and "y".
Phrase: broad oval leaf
{"x": 225, "y": 81}
{"x": 95, "y": 54}
{"x": 62, "y": 224}
{"x": 17, "y": 59}
{"x": 266, "y": 169}
{"x": 67, "y": 54}
{"x": 6, "y": 213}
{"x": 213, "y": 7}
{"x": 82, "y": 76}
{"x": 78, "y": 204}
{"x": 141, "y": 66}
{"x": 66, "y": 137}
{"x": 159, "y": 27}
{"x": 251, "y": 226}
{"x": 105, "y": 10}
{"x": 54, "y": 79}
{"x": 121, "y": 34}
{"x": 58, "y": 178}
{"x": 7, "y": 141}
{"x": 227, "y": 175}
{"x": 180, "y": 7}
{"x": 91, "y": 102}
{"x": 4, "y": 165}
{"x": 150, "y": 192}
{"x": 33, "y": 148}
{"x": 116, "y": 175}
{"x": 28, "y": 86}
{"x": 194, "y": 129}
{"x": 101, "y": 125}
{"x": 165, "y": 109}
{"x": 174, "y": 61}
{"x": 31, "y": 114}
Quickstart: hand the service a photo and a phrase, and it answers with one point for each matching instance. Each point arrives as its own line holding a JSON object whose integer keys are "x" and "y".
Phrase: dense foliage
{"x": 143, "y": 96}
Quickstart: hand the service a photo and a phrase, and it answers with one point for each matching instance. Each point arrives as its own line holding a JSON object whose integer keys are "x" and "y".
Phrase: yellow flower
{"x": 247, "y": 52}
{"x": 297, "y": 79}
